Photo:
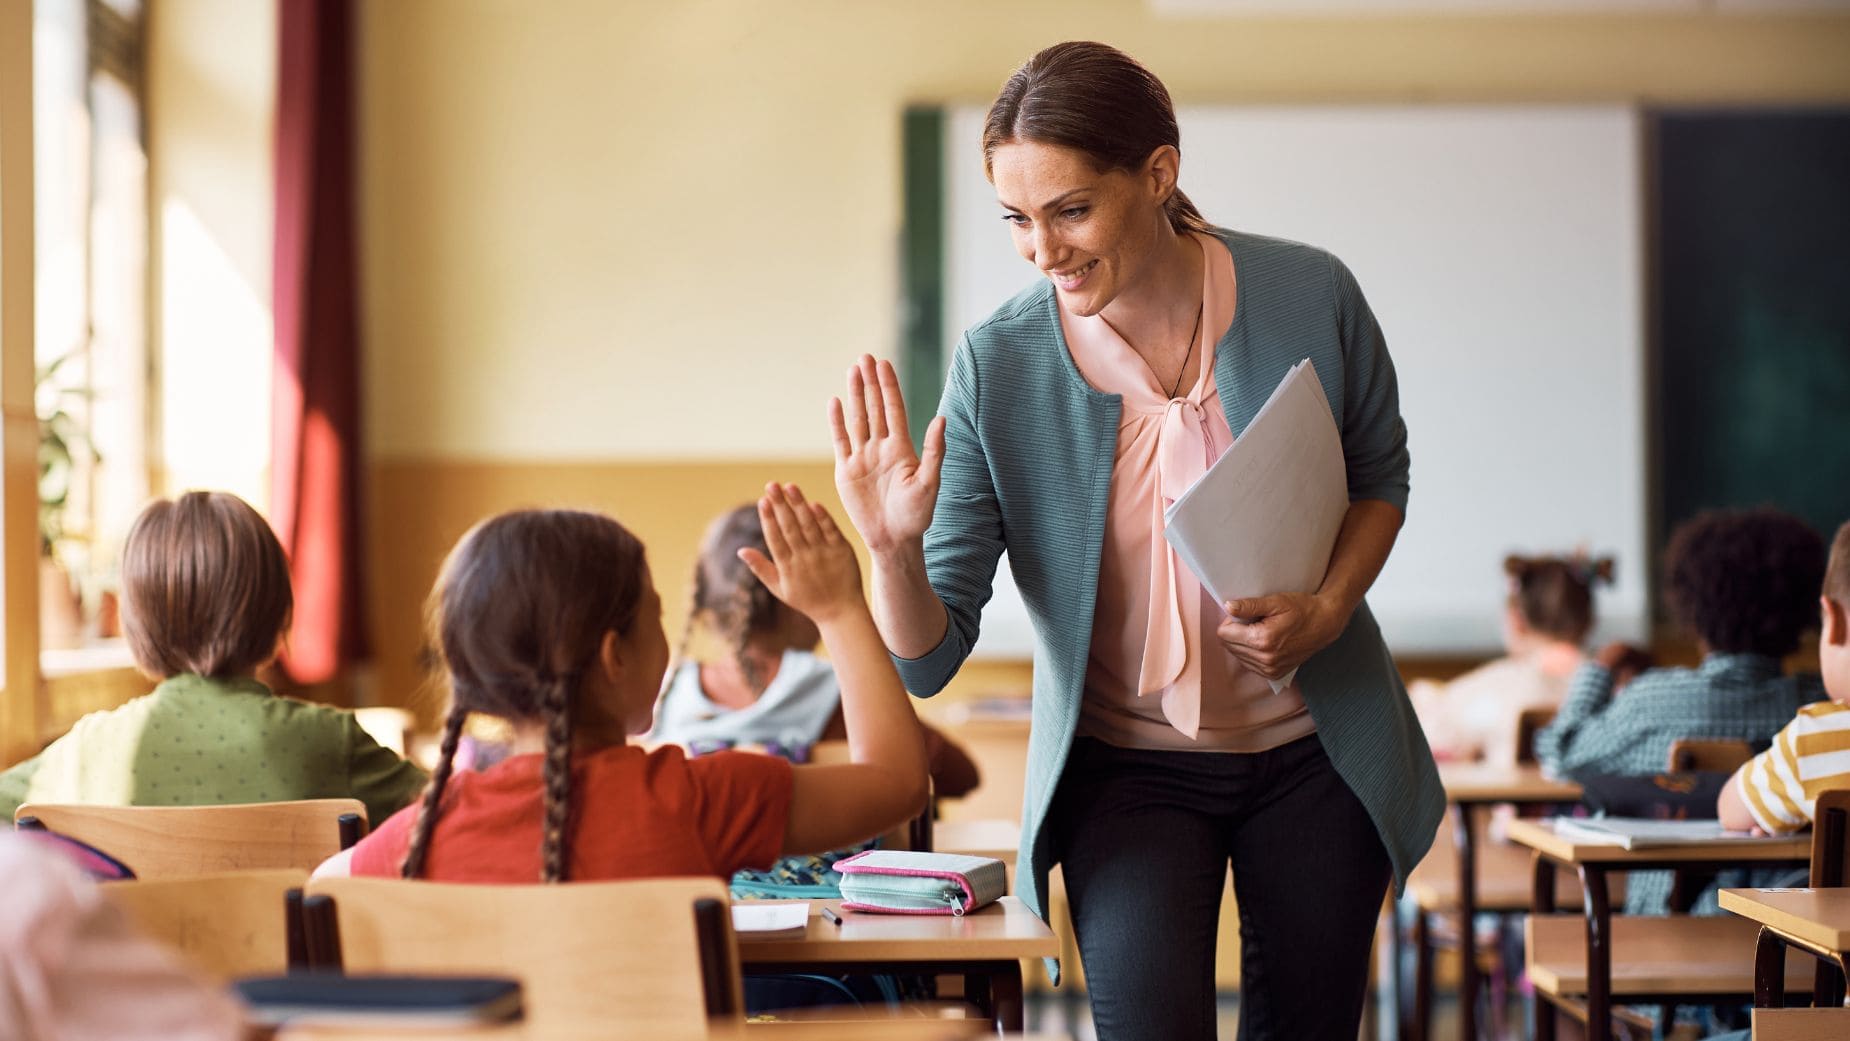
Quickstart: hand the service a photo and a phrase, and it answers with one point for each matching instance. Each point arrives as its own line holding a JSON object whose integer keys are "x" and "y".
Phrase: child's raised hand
{"x": 811, "y": 567}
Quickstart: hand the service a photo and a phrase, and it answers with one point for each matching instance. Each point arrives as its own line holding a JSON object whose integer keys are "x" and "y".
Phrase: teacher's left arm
{"x": 1272, "y": 635}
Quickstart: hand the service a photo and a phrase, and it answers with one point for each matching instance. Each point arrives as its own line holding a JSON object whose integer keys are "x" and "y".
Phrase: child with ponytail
{"x": 1545, "y": 625}
{"x": 549, "y": 619}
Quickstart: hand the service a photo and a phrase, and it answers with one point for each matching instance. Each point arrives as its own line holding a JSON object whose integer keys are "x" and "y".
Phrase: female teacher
{"x": 1071, "y": 417}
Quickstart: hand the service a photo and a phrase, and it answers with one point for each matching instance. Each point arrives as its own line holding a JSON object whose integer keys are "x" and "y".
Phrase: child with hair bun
{"x": 1546, "y": 619}
{"x": 769, "y": 687}
{"x": 549, "y": 619}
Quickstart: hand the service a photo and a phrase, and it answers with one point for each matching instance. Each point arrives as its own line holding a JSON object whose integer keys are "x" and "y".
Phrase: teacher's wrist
{"x": 904, "y": 557}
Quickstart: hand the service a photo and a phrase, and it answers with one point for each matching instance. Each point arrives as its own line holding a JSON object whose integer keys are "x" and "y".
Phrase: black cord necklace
{"x": 1193, "y": 335}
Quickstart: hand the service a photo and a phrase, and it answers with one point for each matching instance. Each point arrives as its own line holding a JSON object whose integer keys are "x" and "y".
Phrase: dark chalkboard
{"x": 1751, "y": 312}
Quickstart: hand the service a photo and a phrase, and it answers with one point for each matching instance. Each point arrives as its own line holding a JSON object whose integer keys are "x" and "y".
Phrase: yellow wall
{"x": 602, "y": 236}
{"x": 599, "y": 230}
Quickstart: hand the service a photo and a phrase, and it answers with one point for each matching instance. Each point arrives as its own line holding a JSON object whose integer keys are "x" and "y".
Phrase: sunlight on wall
{"x": 211, "y": 99}
{"x": 215, "y": 402}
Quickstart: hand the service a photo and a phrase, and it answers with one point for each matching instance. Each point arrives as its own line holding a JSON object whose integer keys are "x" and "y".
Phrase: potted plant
{"x": 61, "y": 438}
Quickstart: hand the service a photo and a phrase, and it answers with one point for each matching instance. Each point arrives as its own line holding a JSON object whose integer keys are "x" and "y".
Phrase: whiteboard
{"x": 1501, "y": 249}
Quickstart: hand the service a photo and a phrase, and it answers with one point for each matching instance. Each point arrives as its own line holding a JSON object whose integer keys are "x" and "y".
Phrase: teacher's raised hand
{"x": 886, "y": 487}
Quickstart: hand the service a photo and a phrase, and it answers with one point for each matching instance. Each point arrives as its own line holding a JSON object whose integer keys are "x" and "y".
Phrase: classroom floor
{"x": 1062, "y": 1015}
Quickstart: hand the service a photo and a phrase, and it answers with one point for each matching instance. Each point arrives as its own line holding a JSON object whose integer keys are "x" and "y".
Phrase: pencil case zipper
{"x": 951, "y": 896}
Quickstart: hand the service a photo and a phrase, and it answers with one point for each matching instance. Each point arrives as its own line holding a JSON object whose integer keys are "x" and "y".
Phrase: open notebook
{"x": 1644, "y": 833}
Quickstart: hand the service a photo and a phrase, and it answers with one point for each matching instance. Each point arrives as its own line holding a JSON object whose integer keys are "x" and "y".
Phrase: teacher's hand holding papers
{"x": 1273, "y": 635}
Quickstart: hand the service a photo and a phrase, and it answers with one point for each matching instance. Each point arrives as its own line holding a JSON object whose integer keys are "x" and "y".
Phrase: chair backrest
{"x": 644, "y": 959}
{"x": 915, "y": 834}
{"x": 181, "y": 841}
{"x": 1830, "y": 839}
{"x": 1528, "y": 722}
{"x": 1723, "y": 756}
{"x": 229, "y": 924}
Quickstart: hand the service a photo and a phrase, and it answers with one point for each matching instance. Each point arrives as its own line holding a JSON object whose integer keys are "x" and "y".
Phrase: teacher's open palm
{"x": 887, "y": 488}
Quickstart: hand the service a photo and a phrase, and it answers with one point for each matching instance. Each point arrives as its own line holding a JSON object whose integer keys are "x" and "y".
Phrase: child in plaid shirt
{"x": 1743, "y": 582}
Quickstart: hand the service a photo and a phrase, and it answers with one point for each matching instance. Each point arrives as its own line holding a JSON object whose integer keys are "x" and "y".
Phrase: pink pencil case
{"x": 897, "y": 881}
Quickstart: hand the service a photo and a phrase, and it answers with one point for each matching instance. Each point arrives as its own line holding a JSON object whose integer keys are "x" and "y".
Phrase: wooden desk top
{"x": 1478, "y": 782}
{"x": 978, "y": 838}
{"x": 1005, "y": 930}
{"x": 1820, "y": 917}
{"x": 1539, "y": 835}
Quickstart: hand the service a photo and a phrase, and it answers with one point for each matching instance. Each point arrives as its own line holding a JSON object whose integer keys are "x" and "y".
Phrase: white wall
{"x": 1500, "y": 249}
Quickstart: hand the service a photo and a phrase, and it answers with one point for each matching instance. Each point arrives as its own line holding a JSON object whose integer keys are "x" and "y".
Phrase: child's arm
{"x": 1731, "y": 807}
{"x": 1592, "y": 732}
{"x": 15, "y": 782}
{"x": 813, "y": 569}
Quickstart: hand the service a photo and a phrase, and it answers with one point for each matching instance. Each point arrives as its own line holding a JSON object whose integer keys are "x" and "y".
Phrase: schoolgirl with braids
{"x": 1546, "y": 619}
{"x": 768, "y": 687}
{"x": 550, "y": 620}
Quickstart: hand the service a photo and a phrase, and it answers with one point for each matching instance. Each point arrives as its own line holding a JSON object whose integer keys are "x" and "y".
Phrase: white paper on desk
{"x": 756, "y": 917}
{"x": 1264, "y": 518}
{"x": 1647, "y": 833}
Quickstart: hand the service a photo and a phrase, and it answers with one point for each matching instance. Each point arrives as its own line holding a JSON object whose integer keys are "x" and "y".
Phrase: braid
{"x": 555, "y": 842}
{"x": 433, "y": 793}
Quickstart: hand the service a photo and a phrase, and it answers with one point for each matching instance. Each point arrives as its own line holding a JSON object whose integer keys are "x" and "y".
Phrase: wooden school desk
{"x": 1688, "y": 959}
{"x": 1469, "y": 786}
{"x": 985, "y": 947}
{"x": 1813, "y": 920}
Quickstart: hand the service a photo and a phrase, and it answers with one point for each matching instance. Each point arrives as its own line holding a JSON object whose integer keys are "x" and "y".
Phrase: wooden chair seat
{"x": 184, "y": 841}
{"x": 1653, "y": 956}
{"x": 228, "y": 925}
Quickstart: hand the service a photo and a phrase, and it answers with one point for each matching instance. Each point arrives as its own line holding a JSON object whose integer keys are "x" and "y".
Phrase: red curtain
{"x": 315, "y": 478}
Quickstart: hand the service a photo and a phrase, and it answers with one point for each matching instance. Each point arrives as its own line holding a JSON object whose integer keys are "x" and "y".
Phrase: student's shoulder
{"x": 1822, "y": 715}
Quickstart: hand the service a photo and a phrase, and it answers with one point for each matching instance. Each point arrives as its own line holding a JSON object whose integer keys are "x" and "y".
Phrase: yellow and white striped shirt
{"x": 1811, "y": 755}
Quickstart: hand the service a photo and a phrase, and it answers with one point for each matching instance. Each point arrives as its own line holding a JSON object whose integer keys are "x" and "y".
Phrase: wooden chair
{"x": 1528, "y": 723}
{"x": 239, "y": 923}
{"x": 181, "y": 841}
{"x": 646, "y": 959}
{"x": 1689, "y": 754}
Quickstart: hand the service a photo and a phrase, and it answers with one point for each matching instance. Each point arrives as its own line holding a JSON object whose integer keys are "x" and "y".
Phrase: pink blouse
{"x": 1158, "y": 677}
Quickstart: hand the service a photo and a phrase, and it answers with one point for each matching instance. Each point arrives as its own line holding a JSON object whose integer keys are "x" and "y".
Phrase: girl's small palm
{"x": 888, "y": 489}
{"x": 811, "y": 567}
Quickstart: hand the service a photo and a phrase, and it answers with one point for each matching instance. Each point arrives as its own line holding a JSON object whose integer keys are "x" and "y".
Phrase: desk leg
{"x": 1541, "y": 902}
{"x": 977, "y": 992}
{"x": 1397, "y": 957}
{"x": 1599, "y": 953}
{"x": 1422, "y": 976}
{"x": 1005, "y": 997}
{"x": 1769, "y": 970}
{"x": 1465, "y": 837}
{"x": 1828, "y": 979}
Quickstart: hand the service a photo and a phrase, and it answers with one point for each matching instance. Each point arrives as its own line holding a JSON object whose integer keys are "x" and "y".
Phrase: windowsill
{"x": 94, "y": 656}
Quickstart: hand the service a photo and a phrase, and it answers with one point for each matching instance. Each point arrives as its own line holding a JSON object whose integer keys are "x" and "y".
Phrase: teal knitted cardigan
{"x": 1029, "y": 447}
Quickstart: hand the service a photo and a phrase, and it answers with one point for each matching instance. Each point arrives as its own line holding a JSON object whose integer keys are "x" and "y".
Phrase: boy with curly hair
{"x": 1777, "y": 791}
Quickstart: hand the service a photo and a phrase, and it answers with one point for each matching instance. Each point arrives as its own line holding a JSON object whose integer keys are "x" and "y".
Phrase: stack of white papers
{"x": 755, "y": 917}
{"x": 1645, "y": 833}
{"x": 1265, "y": 516}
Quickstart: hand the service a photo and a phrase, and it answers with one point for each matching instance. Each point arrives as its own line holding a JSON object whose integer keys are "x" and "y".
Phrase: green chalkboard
{"x": 1751, "y": 312}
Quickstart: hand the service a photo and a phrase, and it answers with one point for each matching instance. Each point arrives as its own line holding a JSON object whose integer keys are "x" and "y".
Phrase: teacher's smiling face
{"x": 1093, "y": 234}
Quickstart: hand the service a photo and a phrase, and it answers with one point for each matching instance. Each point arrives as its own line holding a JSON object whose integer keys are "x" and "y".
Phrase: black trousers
{"x": 1144, "y": 839}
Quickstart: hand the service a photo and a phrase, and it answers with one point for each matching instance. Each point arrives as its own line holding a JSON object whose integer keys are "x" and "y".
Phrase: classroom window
{"x": 91, "y": 297}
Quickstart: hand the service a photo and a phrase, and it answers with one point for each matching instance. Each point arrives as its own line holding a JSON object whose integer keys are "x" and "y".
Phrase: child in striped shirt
{"x": 1776, "y": 792}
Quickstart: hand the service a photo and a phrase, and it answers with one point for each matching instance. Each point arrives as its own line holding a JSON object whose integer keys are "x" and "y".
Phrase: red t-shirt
{"x": 635, "y": 814}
